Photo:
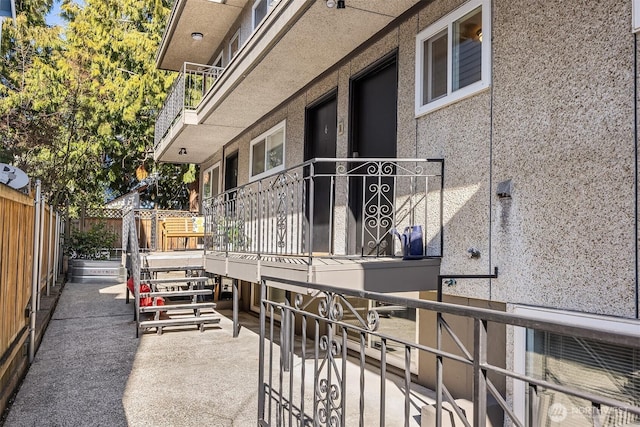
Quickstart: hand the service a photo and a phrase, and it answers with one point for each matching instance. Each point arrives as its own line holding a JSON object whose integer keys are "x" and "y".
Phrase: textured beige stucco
{"x": 557, "y": 121}
{"x": 563, "y": 132}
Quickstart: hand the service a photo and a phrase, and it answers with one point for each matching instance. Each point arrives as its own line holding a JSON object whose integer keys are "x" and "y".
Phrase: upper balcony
{"x": 296, "y": 42}
{"x": 178, "y": 112}
{"x": 331, "y": 221}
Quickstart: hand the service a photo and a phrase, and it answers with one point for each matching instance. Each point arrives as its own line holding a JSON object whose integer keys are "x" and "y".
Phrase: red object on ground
{"x": 146, "y": 301}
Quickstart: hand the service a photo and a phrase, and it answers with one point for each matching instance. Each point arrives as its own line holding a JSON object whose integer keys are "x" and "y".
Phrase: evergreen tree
{"x": 78, "y": 104}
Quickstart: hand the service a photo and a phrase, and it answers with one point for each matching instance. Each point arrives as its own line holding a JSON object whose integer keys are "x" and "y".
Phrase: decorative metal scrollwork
{"x": 331, "y": 308}
{"x": 378, "y": 213}
{"x": 329, "y": 397}
{"x": 281, "y": 217}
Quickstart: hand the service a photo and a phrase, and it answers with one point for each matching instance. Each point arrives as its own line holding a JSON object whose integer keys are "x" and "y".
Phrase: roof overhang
{"x": 298, "y": 41}
{"x": 211, "y": 18}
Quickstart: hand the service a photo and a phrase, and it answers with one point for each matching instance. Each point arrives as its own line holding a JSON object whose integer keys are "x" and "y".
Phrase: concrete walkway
{"x": 91, "y": 370}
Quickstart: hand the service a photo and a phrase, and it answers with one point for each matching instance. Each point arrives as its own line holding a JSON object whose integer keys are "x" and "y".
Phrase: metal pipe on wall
{"x": 34, "y": 275}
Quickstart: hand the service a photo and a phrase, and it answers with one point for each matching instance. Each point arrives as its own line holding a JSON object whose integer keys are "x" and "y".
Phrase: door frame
{"x": 330, "y": 96}
{"x": 386, "y": 60}
{"x": 235, "y": 153}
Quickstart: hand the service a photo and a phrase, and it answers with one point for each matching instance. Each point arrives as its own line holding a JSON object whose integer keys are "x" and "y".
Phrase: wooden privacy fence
{"x": 29, "y": 254}
{"x": 16, "y": 266}
{"x": 148, "y": 227}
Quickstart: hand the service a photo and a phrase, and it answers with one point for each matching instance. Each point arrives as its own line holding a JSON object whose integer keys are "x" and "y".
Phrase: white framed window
{"x": 267, "y": 152}
{"x": 260, "y": 9}
{"x": 578, "y": 362}
{"x": 453, "y": 57}
{"x": 211, "y": 182}
{"x": 234, "y": 45}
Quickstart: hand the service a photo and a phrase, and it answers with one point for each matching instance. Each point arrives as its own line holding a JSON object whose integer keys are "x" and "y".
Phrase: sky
{"x": 53, "y": 18}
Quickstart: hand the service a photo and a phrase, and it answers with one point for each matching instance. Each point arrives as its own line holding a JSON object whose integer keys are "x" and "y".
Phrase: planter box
{"x": 99, "y": 272}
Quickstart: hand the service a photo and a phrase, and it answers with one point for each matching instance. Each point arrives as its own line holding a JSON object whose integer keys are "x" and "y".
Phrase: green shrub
{"x": 94, "y": 243}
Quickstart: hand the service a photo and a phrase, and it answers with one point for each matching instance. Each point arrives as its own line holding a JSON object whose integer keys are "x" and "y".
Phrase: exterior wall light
{"x": 197, "y": 36}
{"x": 182, "y": 152}
{"x": 333, "y": 3}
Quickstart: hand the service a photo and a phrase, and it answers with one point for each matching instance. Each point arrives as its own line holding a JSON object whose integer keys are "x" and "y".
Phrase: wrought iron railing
{"x": 307, "y": 376}
{"x": 330, "y": 207}
{"x": 186, "y": 92}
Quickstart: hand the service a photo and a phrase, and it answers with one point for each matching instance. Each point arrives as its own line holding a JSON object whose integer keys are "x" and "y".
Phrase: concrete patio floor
{"x": 91, "y": 370}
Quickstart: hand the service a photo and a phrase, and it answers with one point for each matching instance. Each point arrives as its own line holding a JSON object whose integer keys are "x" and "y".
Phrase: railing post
{"x": 236, "y": 326}
{"x": 34, "y": 276}
{"x": 534, "y": 405}
{"x": 479, "y": 373}
{"x": 439, "y": 377}
{"x": 261, "y": 389}
{"x": 285, "y": 334}
{"x": 311, "y": 197}
{"x": 442, "y": 208}
{"x": 259, "y": 208}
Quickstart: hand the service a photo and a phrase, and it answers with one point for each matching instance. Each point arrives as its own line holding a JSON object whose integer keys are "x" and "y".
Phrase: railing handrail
{"x": 619, "y": 338}
{"x": 333, "y": 306}
{"x": 331, "y": 160}
{"x": 282, "y": 205}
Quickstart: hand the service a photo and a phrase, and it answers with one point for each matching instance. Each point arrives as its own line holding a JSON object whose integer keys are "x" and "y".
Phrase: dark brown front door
{"x": 231, "y": 172}
{"x": 320, "y": 142}
{"x": 374, "y": 101}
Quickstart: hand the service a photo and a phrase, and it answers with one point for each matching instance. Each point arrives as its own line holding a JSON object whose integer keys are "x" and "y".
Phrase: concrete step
{"x": 168, "y": 269}
{"x": 177, "y": 293}
{"x": 175, "y": 280}
{"x": 199, "y": 321}
{"x": 169, "y": 307}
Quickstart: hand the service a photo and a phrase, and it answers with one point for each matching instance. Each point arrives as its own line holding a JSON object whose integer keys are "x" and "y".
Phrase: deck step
{"x": 199, "y": 321}
{"x": 174, "y": 280}
{"x": 177, "y": 293}
{"x": 168, "y": 269}
{"x": 169, "y": 307}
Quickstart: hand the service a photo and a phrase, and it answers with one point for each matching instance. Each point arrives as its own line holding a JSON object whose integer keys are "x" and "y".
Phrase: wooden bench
{"x": 181, "y": 227}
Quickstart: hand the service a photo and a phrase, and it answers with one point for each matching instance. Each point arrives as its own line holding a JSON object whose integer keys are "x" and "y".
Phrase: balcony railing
{"x": 309, "y": 377}
{"x": 330, "y": 207}
{"x": 186, "y": 92}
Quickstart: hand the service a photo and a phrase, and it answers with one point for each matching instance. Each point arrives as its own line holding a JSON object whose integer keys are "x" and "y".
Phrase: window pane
{"x": 258, "y": 158}
{"x": 215, "y": 181}
{"x": 206, "y": 185}
{"x": 275, "y": 149}
{"x": 602, "y": 369}
{"x": 467, "y": 50}
{"x": 233, "y": 46}
{"x": 435, "y": 66}
{"x": 259, "y": 12}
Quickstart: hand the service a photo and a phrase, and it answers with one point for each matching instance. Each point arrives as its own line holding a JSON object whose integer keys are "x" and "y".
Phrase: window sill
{"x": 468, "y": 92}
{"x": 266, "y": 174}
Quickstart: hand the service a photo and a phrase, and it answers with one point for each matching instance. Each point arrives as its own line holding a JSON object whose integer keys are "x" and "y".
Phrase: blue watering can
{"x": 411, "y": 241}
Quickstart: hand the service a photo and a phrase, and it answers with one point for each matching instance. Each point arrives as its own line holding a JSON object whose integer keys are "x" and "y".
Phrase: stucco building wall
{"x": 558, "y": 120}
